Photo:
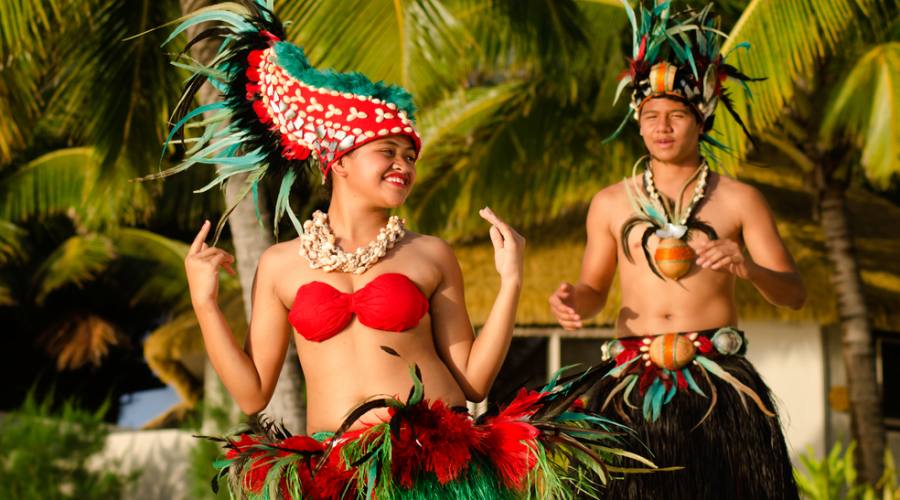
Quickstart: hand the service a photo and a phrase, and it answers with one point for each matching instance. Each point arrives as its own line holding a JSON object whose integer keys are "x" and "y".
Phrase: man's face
{"x": 670, "y": 129}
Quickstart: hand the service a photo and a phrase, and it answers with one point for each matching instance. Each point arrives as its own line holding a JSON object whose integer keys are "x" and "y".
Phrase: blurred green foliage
{"x": 835, "y": 477}
{"x": 47, "y": 452}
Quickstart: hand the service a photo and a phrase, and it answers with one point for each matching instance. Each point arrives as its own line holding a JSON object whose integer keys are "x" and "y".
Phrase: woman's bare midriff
{"x": 351, "y": 368}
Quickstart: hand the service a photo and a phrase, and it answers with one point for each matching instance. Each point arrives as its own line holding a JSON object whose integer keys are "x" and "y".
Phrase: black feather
{"x": 348, "y": 422}
{"x": 203, "y": 35}
{"x": 729, "y": 105}
{"x": 626, "y": 230}
{"x": 644, "y": 240}
{"x": 702, "y": 226}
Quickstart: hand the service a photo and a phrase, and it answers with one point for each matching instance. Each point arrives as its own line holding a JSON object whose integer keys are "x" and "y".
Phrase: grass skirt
{"x": 729, "y": 449}
{"x": 543, "y": 444}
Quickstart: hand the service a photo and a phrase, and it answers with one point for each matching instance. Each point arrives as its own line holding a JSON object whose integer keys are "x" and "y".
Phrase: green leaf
{"x": 25, "y": 48}
{"x": 787, "y": 38}
{"x": 6, "y": 296}
{"x": 75, "y": 262}
{"x": 115, "y": 93}
{"x": 165, "y": 283}
{"x": 67, "y": 181}
{"x": 51, "y": 184}
{"x": 11, "y": 238}
{"x": 866, "y": 110}
{"x": 412, "y": 43}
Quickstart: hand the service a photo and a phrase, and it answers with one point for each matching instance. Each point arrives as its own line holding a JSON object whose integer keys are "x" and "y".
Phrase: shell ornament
{"x": 671, "y": 222}
{"x": 658, "y": 367}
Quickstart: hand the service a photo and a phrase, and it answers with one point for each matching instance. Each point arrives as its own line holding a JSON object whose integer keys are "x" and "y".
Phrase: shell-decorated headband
{"x": 678, "y": 56}
{"x": 276, "y": 111}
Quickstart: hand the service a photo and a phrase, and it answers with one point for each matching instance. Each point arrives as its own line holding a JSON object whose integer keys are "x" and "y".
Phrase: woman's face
{"x": 382, "y": 171}
{"x": 670, "y": 129}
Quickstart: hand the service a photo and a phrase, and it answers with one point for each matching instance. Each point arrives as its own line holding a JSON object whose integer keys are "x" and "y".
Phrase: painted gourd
{"x": 674, "y": 257}
{"x": 671, "y": 351}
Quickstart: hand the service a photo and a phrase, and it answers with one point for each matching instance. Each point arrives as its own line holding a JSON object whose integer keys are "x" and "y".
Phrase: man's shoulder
{"x": 612, "y": 193}
{"x": 739, "y": 191}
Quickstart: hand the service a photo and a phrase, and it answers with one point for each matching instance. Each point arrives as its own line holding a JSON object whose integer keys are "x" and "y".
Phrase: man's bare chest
{"x": 713, "y": 211}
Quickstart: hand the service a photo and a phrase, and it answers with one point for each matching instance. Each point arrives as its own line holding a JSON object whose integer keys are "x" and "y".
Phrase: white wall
{"x": 161, "y": 456}
{"x": 791, "y": 359}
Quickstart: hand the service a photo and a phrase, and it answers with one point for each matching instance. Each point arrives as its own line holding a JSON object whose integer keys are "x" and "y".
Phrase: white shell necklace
{"x": 678, "y": 215}
{"x": 317, "y": 245}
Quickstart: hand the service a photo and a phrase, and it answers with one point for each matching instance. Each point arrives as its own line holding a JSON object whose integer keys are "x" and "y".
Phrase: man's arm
{"x": 571, "y": 303}
{"x": 769, "y": 265}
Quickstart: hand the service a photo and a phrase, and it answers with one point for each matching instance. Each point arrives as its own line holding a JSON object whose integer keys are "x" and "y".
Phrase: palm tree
{"x": 73, "y": 280}
{"x": 833, "y": 136}
{"x": 59, "y": 53}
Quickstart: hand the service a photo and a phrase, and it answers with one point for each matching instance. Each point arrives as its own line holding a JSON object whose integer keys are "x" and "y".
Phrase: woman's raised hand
{"x": 202, "y": 268}
{"x": 509, "y": 248}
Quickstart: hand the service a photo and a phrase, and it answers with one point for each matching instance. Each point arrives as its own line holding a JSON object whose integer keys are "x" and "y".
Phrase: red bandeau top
{"x": 390, "y": 302}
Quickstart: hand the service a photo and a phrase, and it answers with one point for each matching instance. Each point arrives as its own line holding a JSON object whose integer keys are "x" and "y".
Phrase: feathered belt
{"x": 542, "y": 444}
{"x": 660, "y": 366}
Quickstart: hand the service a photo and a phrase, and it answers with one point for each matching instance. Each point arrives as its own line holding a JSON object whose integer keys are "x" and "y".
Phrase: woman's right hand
{"x": 202, "y": 268}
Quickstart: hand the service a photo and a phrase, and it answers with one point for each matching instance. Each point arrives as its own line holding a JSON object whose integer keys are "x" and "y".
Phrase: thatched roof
{"x": 554, "y": 255}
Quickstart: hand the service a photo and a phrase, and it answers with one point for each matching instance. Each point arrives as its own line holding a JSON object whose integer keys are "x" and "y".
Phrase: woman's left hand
{"x": 509, "y": 248}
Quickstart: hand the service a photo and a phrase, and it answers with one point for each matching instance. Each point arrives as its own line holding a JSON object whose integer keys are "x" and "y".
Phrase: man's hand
{"x": 725, "y": 256}
{"x": 562, "y": 303}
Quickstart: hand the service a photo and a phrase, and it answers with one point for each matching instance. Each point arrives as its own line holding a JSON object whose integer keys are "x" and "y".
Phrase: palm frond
{"x": 11, "y": 237}
{"x": 19, "y": 104}
{"x": 415, "y": 44}
{"x": 164, "y": 283}
{"x": 516, "y": 163}
{"x": 461, "y": 112}
{"x": 79, "y": 339}
{"x": 532, "y": 150}
{"x": 23, "y": 28}
{"x": 23, "y": 25}
{"x": 6, "y": 296}
{"x": 51, "y": 184}
{"x": 549, "y": 33}
{"x": 115, "y": 92}
{"x": 787, "y": 38}
{"x": 75, "y": 262}
{"x": 866, "y": 109}
{"x": 67, "y": 181}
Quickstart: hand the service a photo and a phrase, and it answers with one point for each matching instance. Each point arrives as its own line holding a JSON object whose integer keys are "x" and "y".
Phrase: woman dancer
{"x": 377, "y": 312}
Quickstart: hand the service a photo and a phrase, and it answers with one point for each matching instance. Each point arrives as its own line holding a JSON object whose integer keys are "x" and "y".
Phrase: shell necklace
{"x": 677, "y": 216}
{"x": 317, "y": 245}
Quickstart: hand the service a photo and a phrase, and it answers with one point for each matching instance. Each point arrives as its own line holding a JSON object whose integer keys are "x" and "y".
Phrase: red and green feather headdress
{"x": 276, "y": 112}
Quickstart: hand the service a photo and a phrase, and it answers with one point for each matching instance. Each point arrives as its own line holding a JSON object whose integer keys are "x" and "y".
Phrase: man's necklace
{"x": 677, "y": 216}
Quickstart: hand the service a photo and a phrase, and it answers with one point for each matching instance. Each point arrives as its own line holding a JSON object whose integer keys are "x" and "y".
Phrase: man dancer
{"x": 678, "y": 233}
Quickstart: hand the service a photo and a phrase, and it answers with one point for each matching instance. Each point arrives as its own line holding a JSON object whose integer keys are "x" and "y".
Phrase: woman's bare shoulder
{"x": 280, "y": 256}
{"x": 431, "y": 246}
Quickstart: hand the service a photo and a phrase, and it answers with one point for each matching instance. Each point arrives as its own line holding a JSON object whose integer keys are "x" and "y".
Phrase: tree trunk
{"x": 250, "y": 241}
{"x": 866, "y": 418}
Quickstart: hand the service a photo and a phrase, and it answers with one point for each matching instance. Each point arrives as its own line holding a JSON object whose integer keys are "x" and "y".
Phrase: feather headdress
{"x": 276, "y": 112}
{"x": 678, "y": 55}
